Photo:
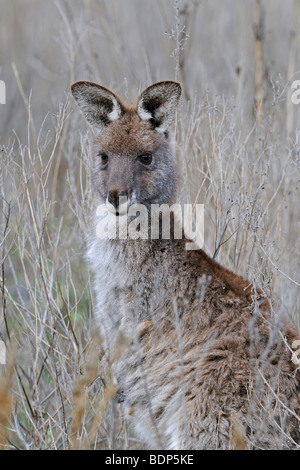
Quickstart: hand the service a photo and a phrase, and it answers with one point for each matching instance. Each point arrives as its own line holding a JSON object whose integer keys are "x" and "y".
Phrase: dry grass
{"x": 5, "y": 400}
{"x": 57, "y": 393}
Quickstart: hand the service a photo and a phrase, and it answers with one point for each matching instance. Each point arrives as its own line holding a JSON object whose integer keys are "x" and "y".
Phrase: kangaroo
{"x": 207, "y": 367}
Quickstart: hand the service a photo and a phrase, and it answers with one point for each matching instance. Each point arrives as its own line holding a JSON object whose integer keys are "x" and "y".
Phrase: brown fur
{"x": 207, "y": 367}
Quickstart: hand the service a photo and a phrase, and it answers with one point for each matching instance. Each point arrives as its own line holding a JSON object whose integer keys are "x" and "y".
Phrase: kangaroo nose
{"x": 115, "y": 197}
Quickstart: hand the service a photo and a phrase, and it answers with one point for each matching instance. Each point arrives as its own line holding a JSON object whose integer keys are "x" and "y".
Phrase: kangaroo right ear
{"x": 157, "y": 104}
{"x": 99, "y": 105}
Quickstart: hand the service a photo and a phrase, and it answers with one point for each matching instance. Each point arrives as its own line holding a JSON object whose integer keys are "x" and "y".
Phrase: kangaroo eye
{"x": 104, "y": 158}
{"x": 145, "y": 159}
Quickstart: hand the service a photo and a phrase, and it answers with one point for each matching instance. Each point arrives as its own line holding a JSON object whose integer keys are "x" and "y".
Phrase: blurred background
{"x": 238, "y": 152}
{"x": 128, "y": 44}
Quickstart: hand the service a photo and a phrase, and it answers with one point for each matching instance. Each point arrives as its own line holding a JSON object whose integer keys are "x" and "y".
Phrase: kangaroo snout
{"x": 117, "y": 201}
{"x": 114, "y": 197}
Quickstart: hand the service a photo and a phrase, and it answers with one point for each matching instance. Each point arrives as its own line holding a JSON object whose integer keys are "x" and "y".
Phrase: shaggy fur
{"x": 207, "y": 367}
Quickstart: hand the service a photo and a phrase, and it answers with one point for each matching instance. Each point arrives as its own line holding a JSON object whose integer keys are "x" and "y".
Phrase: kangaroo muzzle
{"x": 117, "y": 203}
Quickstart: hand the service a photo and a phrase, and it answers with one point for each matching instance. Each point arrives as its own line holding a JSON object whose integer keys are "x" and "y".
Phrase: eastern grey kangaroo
{"x": 207, "y": 367}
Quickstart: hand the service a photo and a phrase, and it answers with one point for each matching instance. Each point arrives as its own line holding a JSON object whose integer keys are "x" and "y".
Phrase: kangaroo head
{"x": 132, "y": 156}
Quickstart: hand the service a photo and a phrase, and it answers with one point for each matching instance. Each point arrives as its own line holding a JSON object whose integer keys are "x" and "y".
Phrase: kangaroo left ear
{"x": 99, "y": 105}
{"x": 157, "y": 104}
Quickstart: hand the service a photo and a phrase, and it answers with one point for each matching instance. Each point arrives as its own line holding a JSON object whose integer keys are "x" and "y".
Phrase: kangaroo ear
{"x": 99, "y": 105}
{"x": 158, "y": 103}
